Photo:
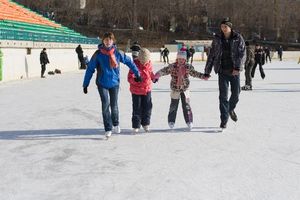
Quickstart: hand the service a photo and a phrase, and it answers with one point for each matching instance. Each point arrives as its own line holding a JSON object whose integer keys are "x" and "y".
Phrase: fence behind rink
{"x": 20, "y": 59}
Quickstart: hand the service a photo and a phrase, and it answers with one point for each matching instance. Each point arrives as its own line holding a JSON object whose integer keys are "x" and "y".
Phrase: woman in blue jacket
{"x": 106, "y": 60}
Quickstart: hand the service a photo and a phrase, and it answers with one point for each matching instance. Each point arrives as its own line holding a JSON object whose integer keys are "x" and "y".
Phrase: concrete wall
{"x": 16, "y": 64}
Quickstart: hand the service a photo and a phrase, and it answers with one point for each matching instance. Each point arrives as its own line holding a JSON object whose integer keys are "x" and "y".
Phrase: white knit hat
{"x": 181, "y": 54}
{"x": 144, "y": 55}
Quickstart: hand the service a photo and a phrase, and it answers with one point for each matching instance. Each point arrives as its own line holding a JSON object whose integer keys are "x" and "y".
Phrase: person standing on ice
{"x": 135, "y": 49}
{"x": 180, "y": 72}
{"x": 227, "y": 55}
{"x": 44, "y": 61}
{"x": 248, "y": 67}
{"x": 106, "y": 60}
{"x": 259, "y": 60}
{"x": 141, "y": 91}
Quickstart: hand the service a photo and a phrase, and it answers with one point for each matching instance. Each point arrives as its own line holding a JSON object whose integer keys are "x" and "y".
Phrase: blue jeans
{"x": 109, "y": 97}
{"x": 226, "y": 106}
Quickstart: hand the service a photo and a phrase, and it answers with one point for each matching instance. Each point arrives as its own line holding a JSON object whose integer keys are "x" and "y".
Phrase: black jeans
{"x": 268, "y": 56}
{"x": 43, "y": 66}
{"x": 226, "y": 106}
{"x": 141, "y": 110}
{"x": 186, "y": 108}
{"x": 261, "y": 70}
{"x": 81, "y": 60}
{"x": 166, "y": 59}
{"x": 109, "y": 98}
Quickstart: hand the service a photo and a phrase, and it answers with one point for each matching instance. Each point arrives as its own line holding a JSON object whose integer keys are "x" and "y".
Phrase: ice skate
{"x": 146, "y": 128}
{"x": 117, "y": 129}
{"x": 190, "y": 125}
{"x": 233, "y": 115}
{"x": 107, "y": 134}
{"x": 135, "y": 130}
{"x": 171, "y": 125}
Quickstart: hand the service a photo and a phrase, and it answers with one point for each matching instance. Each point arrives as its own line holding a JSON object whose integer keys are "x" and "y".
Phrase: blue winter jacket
{"x": 238, "y": 54}
{"x": 107, "y": 77}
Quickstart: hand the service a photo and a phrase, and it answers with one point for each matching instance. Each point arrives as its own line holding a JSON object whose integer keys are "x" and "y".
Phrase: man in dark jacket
{"x": 248, "y": 67}
{"x": 165, "y": 54}
{"x": 44, "y": 61}
{"x": 227, "y": 57}
{"x": 268, "y": 54}
{"x": 259, "y": 58}
{"x": 192, "y": 52}
{"x": 135, "y": 49}
{"x": 79, "y": 52}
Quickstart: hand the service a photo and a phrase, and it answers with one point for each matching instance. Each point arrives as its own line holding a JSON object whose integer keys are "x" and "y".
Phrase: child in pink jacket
{"x": 141, "y": 92}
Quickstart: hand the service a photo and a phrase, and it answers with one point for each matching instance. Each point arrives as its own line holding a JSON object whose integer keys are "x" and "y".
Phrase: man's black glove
{"x": 155, "y": 80}
{"x": 206, "y": 75}
{"x": 138, "y": 79}
{"x": 85, "y": 90}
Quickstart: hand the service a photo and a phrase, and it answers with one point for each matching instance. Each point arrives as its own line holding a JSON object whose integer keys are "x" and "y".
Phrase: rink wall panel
{"x": 18, "y": 64}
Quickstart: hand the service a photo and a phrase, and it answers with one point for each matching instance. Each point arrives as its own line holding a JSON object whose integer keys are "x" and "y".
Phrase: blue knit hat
{"x": 181, "y": 54}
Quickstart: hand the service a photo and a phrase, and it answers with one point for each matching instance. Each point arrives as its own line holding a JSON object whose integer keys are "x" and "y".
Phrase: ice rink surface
{"x": 52, "y": 142}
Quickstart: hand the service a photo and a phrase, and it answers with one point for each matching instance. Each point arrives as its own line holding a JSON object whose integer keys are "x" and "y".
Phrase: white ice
{"x": 52, "y": 142}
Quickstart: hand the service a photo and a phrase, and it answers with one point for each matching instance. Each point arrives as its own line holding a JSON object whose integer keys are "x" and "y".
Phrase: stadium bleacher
{"x": 20, "y": 23}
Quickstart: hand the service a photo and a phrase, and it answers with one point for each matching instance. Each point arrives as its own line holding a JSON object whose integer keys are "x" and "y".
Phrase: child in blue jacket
{"x": 106, "y": 60}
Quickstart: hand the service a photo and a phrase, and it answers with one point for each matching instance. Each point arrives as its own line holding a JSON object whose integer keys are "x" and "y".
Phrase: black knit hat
{"x": 227, "y": 22}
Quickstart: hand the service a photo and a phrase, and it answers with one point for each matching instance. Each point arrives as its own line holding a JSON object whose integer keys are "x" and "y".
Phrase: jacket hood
{"x": 146, "y": 65}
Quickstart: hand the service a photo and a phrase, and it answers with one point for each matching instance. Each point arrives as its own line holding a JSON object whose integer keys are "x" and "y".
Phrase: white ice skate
{"x": 190, "y": 125}
{"x": 107, "y": 134}
{"x": 117, "y": 129}
{"x": 146, "y": 128}
{"x": 171, "y": 125}
{"x": 135, "y": 130}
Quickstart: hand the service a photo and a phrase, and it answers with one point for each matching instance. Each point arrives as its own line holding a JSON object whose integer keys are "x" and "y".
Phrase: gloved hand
{"x": 235, "y": 72}
{"x": 156, "y": 77}
{"x": 85, "y": 90}
{"x": 206, "y": 76}
{"x": 138, "y": 79}
{"x": 155, "y": 80}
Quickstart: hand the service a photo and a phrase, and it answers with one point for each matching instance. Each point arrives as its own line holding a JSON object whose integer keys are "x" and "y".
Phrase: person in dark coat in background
{"x": 192, "y": 52}
{"x": 44, "y": 61}
{"x": 258, "y": 56}
{"x": 165, "y": 53}
{"x": 227, "y": 57}
{"x": 268, "y": 54}
{"x": 79, "y": 52}
{"x": 248, "y": 67}
{"x": 279, "y": 51}
{"x": 135, "y": 49}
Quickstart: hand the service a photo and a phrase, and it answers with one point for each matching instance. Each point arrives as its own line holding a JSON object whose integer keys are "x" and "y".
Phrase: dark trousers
{"x": 81, "y": 60}
{"x": 166, "y": 59}
{"x": 248, "y": 70}
{"x": 141, "y": 110}
{"x": 261, "y": 70}
{"x": 186, "y": 108}
{"x": 280, "y": 56}
{"x": 268, "y": 56}
{"x": 192, "y": 58}
{"x": 109, "y": 99}
{"x": 226, "y": 106}
{"x": 43, "y": 69}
